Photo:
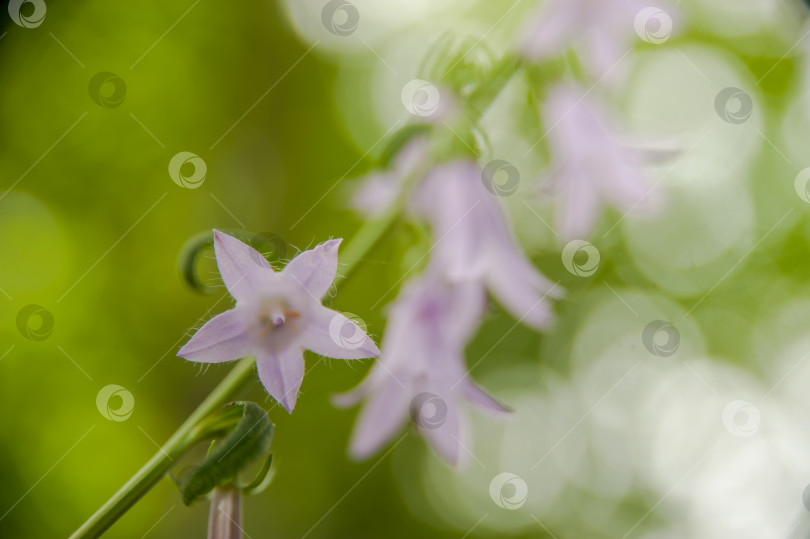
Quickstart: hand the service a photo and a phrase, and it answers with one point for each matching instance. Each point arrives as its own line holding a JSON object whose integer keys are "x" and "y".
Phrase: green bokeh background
{"x": 92, "y": 226}
{"x": 132, "y": 311}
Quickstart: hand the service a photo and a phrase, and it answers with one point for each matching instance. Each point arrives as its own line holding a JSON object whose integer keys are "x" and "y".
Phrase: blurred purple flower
{"x": 601, "y": 31}
{"x": 277, "y": 315}
{"x": 589, "y": 166}
{"x": 421, "y": 371}
{"x": 473, "y": 242}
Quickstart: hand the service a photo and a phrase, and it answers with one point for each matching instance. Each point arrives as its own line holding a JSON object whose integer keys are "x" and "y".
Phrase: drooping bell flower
{"x": 421, "y": 372}
{"x": 590, "y": 167}
{"x": 600, "y": 31}
{"x": 277, "y": 316}
{"x": 473, "y": 242}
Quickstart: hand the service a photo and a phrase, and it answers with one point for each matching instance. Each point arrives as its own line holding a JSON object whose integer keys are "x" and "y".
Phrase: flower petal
{"x": 241, "y": 266}
{"x": 380, "y": 419}
{"x": 523, "y": 301}
{"x": 625, "y": 186}
{"x": 281, "y": 374}
{"x": 315, "y": 269}
{"x": 549, "y": 32}
{"x": 603, "y": 53}
{"x": 482, "y": 399}
{"x": 443, "y": 429}
{"x": 453, "y": 199}
{"x": 352, "y": 397}
{"x": 577, "y": 211}
{"x": 362, "y": 390}
{"x": 332, "y": 334}
{"x": 377, "y": 193}
{"x": 223, "y": 338}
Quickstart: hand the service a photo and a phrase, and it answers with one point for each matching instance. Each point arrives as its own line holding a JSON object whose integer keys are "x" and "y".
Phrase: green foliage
{"x": 242, "y": 434}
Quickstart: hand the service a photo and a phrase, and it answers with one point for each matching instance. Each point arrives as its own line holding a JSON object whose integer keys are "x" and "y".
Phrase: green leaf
{"x": 243, "y": 434}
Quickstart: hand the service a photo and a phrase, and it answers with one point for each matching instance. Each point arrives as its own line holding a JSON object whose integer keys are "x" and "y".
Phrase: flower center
{"x": 274, "y": 314}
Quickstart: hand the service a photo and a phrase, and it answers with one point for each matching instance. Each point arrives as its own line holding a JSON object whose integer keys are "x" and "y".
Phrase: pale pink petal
{"x": 549, "y": 33}
{"x": 281, "y": 373}
{"x": 577, "y": 211}
{"x": 242, "y": 267}
{"x": 450, "y": 198}
{"x": 444, "y": 436}
{"x": 609, "y": 58}
{"x": 432, "y": 313}
{"x": 524, "y": 303}
{"x": 380, "y": 419}
{"x": 332, "y": 334}
{"x": 592, "y": 167}
{"x": 315, "y": 269}
{"x": 574, "y": 129}
{"x": 482, "y": 399}
{"x": 377, "y": 193}
{"x": 353, "y": 396}
{"x": 626, "y": 188}
{"x": 223, "y": 338}
{"x": 600, "y": 31}
{"x": 468, "y": 301}
{"x": 522, "y": 270}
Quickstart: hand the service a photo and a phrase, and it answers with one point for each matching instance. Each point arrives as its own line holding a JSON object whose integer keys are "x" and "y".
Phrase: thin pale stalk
{"x": 225, "y": 516}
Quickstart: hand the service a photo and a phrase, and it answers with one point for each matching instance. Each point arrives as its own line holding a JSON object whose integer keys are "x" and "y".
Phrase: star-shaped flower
{"x": 277, "y": 315}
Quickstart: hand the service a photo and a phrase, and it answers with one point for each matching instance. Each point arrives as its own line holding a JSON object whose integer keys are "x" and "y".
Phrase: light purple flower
{"x": 473, "y": 243}
{"x": 601, "y": 31}
{"x": 277, "y": 315}
{"x": 421, "y": 371}
{"x": 589, "y": 166}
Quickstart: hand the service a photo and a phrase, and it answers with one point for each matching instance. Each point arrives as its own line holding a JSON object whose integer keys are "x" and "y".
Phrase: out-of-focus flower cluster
{"x": 437, "y": 177}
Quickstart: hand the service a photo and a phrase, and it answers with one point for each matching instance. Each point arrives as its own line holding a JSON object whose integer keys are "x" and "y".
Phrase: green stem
{"x": 183, "y": 439}
{"x": 363, "y": 242}
{"x": 352, "y": 254}
{"x": 485, "y": 94}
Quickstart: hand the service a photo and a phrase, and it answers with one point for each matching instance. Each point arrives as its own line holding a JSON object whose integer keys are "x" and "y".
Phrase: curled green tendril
{"x": 458, "y": 63}
{"x": 243, "y": 434}
{"x": 272, "y": 246}
{"x": 400, "y": 139}
{"x": 262, "y": 479}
